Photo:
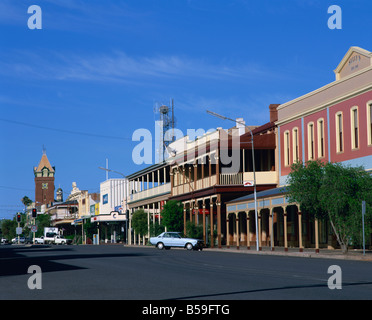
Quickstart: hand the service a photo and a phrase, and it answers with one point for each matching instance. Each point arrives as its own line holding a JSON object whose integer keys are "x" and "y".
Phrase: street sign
{"x": 19, "y": 230}
{"x": 248, "y": 183}
{"x": 33, "y": 228}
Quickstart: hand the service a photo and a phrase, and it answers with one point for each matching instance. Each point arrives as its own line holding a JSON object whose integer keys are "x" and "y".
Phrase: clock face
{"x": 44, "y": 185}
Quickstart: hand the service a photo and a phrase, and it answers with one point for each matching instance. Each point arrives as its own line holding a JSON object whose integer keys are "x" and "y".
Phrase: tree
{"x": 335, "y": 192}
{"x": 139, "y": 222}
{"x": 26, "y": 201}
{"x": 8, "y": 228}
{"x": 89, "y": 229}
{"x": 42, "y": 221}
{"x": 172, "y": 216}
{"x": 341, "y": 195}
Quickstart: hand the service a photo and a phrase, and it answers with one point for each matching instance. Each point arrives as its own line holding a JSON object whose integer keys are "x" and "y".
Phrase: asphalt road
{"x": 134, "y": 273}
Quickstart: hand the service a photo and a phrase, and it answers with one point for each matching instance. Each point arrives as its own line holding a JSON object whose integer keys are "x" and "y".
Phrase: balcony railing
{"x": 151, "y": 192}
{"x": 262, "y": 177}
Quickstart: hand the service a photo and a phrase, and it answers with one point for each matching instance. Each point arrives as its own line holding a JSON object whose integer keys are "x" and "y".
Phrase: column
{"x": 204, "y": 226}
{"x": 211, "y": 218}
{"x": 171, "y": 181}
{"x": 301, "y": 249}
{"x": 196, "y": 212}
{"x": 248, "y": 232}
{"x": 184, "y": 217}
{"x": 148, "y": 221}
{"x": 218, "y": 203}
{"x": 237, "y": 230}
{"x": 285, "y": 229}
{"x": 183, "y": 179}
{"x": 195, "y": 174}
{"x": 202, "y": 172}
{"x": 217, "y": 167}
{"x": 191, "y": 209}
{"x": 271, "y": 228}
{"x": 159, "y": 204}
{"x": 210, "y": 170}
{"x": 227, "y": 231}
{"x": 259, "y": 231}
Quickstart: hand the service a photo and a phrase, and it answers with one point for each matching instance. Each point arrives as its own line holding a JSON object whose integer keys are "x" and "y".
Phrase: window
{"x": 369, "y": 122}
{"x": 321, "y": 138}
{"x": 339, "y": 133}
{"x": 295, "y": 144}
{"x": 354, "y": 128}
{"x": 286, "y": 148}
{"x": 310, "y": 141}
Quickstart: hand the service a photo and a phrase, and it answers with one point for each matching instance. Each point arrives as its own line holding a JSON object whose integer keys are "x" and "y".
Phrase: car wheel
{"x": 160, "y": 246}
{"x": 189, "y": 246}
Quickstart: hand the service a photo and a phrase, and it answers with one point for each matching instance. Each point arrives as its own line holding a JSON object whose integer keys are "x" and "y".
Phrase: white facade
{"x": 113, "y": 193}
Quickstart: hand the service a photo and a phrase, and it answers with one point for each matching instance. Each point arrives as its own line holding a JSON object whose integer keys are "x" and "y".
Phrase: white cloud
{"x": 120, "y": 67}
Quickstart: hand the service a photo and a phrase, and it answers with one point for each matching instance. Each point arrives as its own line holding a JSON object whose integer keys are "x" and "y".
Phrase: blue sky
{"x": 99, "y": 67}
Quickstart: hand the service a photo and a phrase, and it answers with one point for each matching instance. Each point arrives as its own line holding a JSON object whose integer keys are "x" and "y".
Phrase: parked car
{"x": 61, "y": 240}
{"x": 173, "y": 239}
{"x": 21, "y": 240}
{"x": 39, "y": 240}
{"x": 4, "y": 241}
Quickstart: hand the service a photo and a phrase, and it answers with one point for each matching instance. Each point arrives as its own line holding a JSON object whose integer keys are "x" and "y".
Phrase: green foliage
{"x": 42, "y": 221}
{"x": 304, "y": 184}
{"x": 89, "y": 229}
{"x": 8, "y": 228}
{"x": 26, "y": 201}
{"x": 156, "y": 229}
{"x": 139, "y": 222}
{"x": 194, "y": 231}
{"x": 172, "y": 216}
{"x": 335, "y": 192}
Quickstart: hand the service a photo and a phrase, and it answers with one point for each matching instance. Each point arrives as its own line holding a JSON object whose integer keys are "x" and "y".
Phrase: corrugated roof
{"x": 261, "y": 194}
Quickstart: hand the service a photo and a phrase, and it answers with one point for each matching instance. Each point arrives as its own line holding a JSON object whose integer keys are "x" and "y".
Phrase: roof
{"x": 44, "y": 162}
{"x": 151, "y": 168}
{"x": 261, "y": 194}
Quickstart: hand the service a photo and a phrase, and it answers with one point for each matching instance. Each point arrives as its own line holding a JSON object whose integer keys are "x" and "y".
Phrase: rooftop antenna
{"x": 167, "y": 121}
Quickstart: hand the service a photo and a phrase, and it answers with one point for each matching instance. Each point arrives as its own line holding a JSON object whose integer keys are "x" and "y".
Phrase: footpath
{"x": 306, "y": 253}
{"x": 352, "y": 254}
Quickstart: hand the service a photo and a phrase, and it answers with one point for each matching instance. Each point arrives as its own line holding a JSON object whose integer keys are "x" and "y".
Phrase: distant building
{"x": 44, "y": 181}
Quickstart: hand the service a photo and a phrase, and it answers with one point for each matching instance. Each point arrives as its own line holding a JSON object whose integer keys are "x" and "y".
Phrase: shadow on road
{"x": 13, "y": 261}
{"x": 320, "y": 285}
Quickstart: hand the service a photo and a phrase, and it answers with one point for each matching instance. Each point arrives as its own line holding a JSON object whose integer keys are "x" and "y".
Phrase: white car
{"x": 39, "y": 240}
{"x": 61, "y": 240}
{"x": 173, "y": 239}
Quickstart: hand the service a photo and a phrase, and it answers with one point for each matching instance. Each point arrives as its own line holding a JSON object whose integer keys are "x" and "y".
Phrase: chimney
{"x": 273, "y": 112}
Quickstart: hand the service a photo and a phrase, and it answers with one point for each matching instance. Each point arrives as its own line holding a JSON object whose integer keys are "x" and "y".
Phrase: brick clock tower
{"x": 44, "y": 181}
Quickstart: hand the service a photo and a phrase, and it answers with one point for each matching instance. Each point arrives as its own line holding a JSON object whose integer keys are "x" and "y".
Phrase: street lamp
{"x": 109, "y": 170}
{"x": 254, "y": 170}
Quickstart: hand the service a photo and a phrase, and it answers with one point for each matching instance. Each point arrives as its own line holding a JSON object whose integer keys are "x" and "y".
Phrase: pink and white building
{"x": 332, "y": 123}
